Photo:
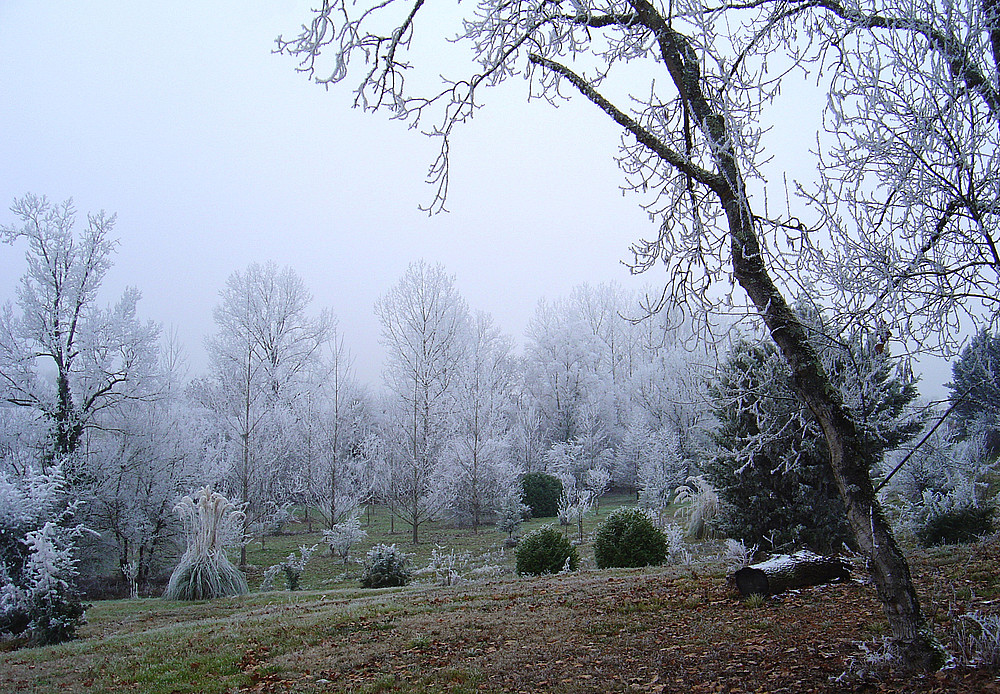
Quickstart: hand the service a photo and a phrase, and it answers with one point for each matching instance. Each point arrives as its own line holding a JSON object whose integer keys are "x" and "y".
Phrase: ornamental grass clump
{"x": 546, "y": 551}
{"x": 204, "y": 571}
{"x": 629, "y": 538}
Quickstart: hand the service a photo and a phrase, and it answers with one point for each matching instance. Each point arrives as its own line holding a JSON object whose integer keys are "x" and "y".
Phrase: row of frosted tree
{"x": 102, "y": 399}
{"x": 98, "y": 406}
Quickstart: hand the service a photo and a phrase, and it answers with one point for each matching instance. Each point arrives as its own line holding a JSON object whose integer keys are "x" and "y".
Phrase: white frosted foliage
{"x": 204, "y": 571}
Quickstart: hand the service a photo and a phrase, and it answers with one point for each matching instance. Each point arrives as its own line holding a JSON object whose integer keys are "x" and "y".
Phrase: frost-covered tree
{"x": 61, "y": 355}
{"x": 526, "y": 435}
{"x": 334, "y": 422}
{"x": 574, "y": 504}
{"x": 52, "y": 598}
{"x": 569, "y": 461}
{"x": 580, "y": 356}
{"x": 602, "y": 309}
{"x": 510, "y": 514}
{"x": 909, "y": 175}
{"x": 477, "y": 459}
{"x": 666, "y": 393}
{"x": 425, "y": 327}
{"x": 23, "y": 437}
{"x": 143, "y": 458}
{"x": 593, "y": 373}
{"x": 266, "y": 346}
{"x": 39, "y": 599}
{"x": 661, "y": 469}
{"x": 561, "y": 362}
{"x": 693, "y": 81}
{"x": 772, "y": 472}
{"x": 343, "y": 536}
{"x": 597, "y": 482}
{"x": 975, "y": 387}
{"x": 942, "y": 490}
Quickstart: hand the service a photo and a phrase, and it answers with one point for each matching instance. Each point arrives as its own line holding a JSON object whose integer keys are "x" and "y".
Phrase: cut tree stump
{"x": 788, "y": 571}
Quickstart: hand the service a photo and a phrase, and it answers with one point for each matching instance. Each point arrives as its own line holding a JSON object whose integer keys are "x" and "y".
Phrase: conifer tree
{"x": 772, "y": 472}
{"x": 975, "y": 386}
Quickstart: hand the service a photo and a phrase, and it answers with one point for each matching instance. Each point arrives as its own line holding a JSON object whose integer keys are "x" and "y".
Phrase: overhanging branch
{"x": 641, "y": 134}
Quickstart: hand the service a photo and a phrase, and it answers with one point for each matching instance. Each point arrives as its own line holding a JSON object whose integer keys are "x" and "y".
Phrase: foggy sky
{"x": 215, "y": 153}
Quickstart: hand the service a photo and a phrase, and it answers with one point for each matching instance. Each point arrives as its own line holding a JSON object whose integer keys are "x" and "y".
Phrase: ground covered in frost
{"x": 672, "y": 629}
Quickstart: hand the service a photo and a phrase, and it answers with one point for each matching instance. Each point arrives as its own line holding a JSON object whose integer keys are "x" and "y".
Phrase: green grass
{"x": 592, "y": 631}
{"x": 156, "y": 646}
{"x": 325, "y": 571}
{"x": 153, "y": 645}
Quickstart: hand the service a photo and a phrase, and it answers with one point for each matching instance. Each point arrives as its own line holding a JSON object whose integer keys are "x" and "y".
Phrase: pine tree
{"x": 773, "y": 472}
{"x": 39, "y": 599}
{"x": 975, "y": 387}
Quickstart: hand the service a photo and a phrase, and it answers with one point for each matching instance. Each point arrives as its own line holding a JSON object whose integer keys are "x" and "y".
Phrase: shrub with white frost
{"x": 39, "y": 601}
{"x": 446, "y": 568}
{"x": 292, "y": 567}
{"x": 510, "y": 515}
{"x": 204, "y": 571}
{"x": 385, "y": 567}
{"x": 343, "y": 536}
{"x": 737, "y": 555}
{"x": 978, "y": 639}
{"x": 52, "y": 600}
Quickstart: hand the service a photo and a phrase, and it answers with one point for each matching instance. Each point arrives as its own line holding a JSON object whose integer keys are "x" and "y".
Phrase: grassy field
{"x": 484, "y": 547}
{"x": 676, "y": 628}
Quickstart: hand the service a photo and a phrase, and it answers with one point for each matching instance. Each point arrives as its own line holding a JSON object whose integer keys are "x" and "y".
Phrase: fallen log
{"x": 788, "y": 571}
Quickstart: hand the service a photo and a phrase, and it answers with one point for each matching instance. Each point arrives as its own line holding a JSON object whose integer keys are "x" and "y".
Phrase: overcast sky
{"x": 215, "y": 153}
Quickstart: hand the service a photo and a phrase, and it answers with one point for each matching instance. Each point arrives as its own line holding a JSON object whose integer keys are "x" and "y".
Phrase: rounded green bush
{"x": 541, "y": 494}
{"x": 385, "y": 567}
{"x": 545, "y": 551}
{"x": 628, "y": 538}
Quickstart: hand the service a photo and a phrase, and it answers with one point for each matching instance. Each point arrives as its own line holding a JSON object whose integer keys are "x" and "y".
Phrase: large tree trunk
{"x": 913, "y": 643}
{"x": 915, "y": 647}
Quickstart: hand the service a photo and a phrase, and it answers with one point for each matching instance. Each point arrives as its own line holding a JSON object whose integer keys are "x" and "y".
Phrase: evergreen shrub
{"x": 39, "y": 597}
{"x": 385, "y": 566}
{"x": 53, "y": 602}
{"x": 957, "y": 526}
{"x": 541, "y": 494}
{"x": 628, "y": 538}
{"x": 509, "y": 518}
{"x": 545, "y": 551}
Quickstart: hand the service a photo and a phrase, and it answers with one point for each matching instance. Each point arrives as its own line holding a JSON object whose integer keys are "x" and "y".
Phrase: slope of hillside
{"x": 674, "y": 629}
